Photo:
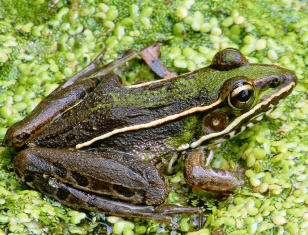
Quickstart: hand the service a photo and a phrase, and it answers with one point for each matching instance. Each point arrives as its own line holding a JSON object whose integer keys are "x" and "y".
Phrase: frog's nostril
{"x": 275, "y": 82}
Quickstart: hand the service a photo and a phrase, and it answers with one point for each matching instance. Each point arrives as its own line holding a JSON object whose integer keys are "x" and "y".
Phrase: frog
{"x": 93, "y": 144}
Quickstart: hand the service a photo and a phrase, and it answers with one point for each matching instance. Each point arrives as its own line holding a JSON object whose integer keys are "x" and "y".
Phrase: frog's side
{"x": 119, "y": 129}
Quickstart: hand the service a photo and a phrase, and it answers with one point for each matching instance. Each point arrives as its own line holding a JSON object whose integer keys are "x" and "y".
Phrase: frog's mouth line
{"x": 248, "y": 115}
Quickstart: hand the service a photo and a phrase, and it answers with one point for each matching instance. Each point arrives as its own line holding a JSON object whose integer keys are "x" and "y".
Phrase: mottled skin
{"x": 116, "y": 174}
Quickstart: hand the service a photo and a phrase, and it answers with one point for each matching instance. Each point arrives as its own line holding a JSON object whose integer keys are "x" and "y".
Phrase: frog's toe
{"x": 175, "y": 210}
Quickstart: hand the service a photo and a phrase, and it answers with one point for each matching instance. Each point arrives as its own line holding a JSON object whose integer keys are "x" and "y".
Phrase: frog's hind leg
{"x": 203, "y": 177}
{"x": 121, "y": 185}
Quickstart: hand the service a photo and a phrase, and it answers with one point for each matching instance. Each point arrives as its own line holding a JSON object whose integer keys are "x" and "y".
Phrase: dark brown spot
{"x": 62, "y": 193}
{"x": 80, "y": 179}
{"x": 29, "y": 178}
{"x": 60, "y": 170}
{"x": 82, "y": 94}
{"x": 126, "y": 192}
{"x": 99, "y": 186}
{"x": 44, "y": 185}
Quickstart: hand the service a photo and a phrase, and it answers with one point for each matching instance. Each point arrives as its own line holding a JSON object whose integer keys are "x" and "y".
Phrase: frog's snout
{"x": 290, "y": 77}
{"x": 288, "y": 82}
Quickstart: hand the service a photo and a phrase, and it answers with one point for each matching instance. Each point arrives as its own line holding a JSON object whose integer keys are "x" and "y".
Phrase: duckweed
{"x": 76, "y": 217}
{"x": 179, "y": 29}
{"x": 180, "y": 63}
{"x": 184, "y": 225}
{"x": 42, "y": 44}
{"x": 181, "y": 12}
{"x": 260, "y": 44}
{"x": 3, "y": 56}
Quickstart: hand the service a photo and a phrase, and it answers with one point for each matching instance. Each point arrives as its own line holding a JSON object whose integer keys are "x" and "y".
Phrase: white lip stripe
{"x": 183, "y": 147}
{"x": 149, "y": 124}
{"x": 240, "y": 118}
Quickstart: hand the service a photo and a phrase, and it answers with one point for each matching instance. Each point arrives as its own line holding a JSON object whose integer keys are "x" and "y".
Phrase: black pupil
{"x": 244, "y": 95}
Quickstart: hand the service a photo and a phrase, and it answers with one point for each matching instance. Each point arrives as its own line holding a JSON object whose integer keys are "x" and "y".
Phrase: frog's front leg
{"x": 121, "y": 185}
{"x": 203, "y": 177}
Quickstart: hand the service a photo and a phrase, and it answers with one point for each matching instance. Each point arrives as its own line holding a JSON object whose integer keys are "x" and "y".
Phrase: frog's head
{"x": 246, "y": 93}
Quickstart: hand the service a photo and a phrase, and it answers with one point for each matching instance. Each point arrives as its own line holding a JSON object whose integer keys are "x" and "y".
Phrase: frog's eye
{"x": 227, "y": 59}
{"x": 242, "y": 95}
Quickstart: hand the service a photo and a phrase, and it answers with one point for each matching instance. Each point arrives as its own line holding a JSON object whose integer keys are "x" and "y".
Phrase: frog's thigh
{"x": 118, "y": 176}
{"x": 96, "y": 182}
{"x": 209, "y": 179}
{"x": 45, "y": 175}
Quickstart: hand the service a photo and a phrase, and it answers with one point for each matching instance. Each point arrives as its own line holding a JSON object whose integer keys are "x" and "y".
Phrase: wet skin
{"x": 93, "y": 143}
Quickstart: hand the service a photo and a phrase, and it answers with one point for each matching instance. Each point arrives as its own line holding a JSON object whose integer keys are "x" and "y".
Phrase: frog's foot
{"x": 81, "y": 200}
{"x": 176, "y": 210}
{"x": 120, "y": 184}
{"x": 209, "y": 179}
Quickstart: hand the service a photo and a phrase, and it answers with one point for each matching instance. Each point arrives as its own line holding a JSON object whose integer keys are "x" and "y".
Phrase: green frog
{"x": 93, "y": 143}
